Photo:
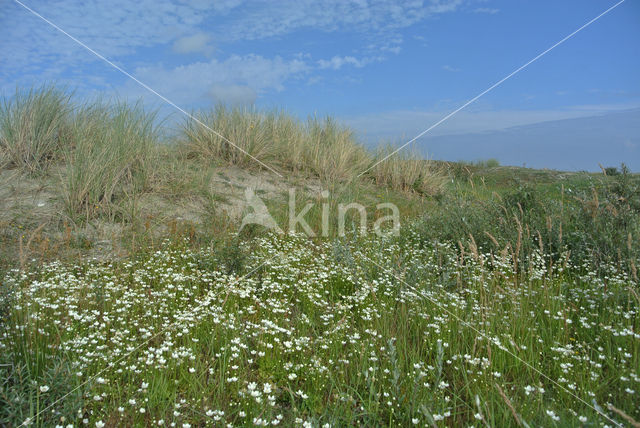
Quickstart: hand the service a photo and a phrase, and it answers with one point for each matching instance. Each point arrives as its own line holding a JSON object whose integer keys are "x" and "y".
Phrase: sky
{"x": 389, "y": 69}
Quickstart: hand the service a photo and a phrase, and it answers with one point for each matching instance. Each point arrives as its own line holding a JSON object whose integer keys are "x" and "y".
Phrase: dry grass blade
{"x": 509, "y": 405}
{"x": 626, "y": 417}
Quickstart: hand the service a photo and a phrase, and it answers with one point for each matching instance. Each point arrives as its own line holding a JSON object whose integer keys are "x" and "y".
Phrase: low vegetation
{"x": 395, "y": 332}
{"x": 129, "y": 296}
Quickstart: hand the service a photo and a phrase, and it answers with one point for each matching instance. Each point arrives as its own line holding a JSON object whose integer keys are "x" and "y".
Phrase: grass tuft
{"x": 406, "y": 171}
{"x": 33, "y": 127}
{"x": 110, "y": 159}
{"x": 320, "y": 147}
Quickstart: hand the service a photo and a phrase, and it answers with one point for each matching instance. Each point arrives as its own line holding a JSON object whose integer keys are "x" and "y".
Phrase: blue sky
{"x": 387, "y": 68}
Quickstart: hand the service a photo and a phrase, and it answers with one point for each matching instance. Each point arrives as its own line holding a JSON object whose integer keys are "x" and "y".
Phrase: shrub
{"x": 611, "y": 171}
{"x": 34, "y": 127}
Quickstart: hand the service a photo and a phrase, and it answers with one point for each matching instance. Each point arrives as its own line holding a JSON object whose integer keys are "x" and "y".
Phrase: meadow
{"x": 509, "y": 297}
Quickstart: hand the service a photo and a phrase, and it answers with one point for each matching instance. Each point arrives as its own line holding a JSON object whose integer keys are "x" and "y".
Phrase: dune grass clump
{"x": 34, "y": 125}
{"x": 331, "y": 150}
{"x": 407, "y": 171}
{"x": 111, "y": 157}
{"x": 231, "y": 136}
{"x": 320, "y": 147}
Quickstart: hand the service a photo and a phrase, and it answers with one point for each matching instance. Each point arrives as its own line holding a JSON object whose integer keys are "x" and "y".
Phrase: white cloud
{"x": 337, "y": 62}
{"x": 128, "y": 33}
{"x": 450, "y": 68}
{"x": 120, "y": 27}
{"x": 197, "y": 43}
{"x": 244, "y": 76}
{"x": 489, "y": 10}
{"x": 233, "y": 94}
{"x": 267, "y": 19}
{"x": 113, "y": 29}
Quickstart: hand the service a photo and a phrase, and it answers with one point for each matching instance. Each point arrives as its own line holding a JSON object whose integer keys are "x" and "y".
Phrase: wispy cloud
{"x": 238, "y": 79}
{"x": 115, "y": 29}
{"x": 337, "y": 62}
{"x": 120, "y": 28}
{"x": 267, "y": 19}
{"x": 127, "y": 32}
{"x": 450, "y": 68}
{"x": 489, "y": 10}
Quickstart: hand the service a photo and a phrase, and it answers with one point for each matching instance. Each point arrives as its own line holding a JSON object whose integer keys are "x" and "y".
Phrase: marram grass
{"x": 99, "y": 141}
{"x": 111, "y": 158}
{"x": 320, "y": 148}
{"x": 34, "y": 127}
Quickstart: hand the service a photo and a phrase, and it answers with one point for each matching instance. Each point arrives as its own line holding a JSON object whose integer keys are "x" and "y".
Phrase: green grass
{"x": 517, "y": 211}
{"x": 377, "y": 332}
{"x": 320, "y": 148}
{"x": 510, "y": 296}
{"x": 34, "y": 127}
{"x": 110, "y": 160}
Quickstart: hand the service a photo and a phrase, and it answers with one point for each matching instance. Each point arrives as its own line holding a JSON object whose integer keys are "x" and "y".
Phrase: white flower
{"x": 553, "y": 415}
{"x": 582, "y": 419}
{"x": 292, "y": 376}
{"x": 142, "y": 410}
{"x": 478, "y": 416}
{"x": 44, "y": 388}
{"x": 99, "y": 424}
{"x": 415, "y": 421}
